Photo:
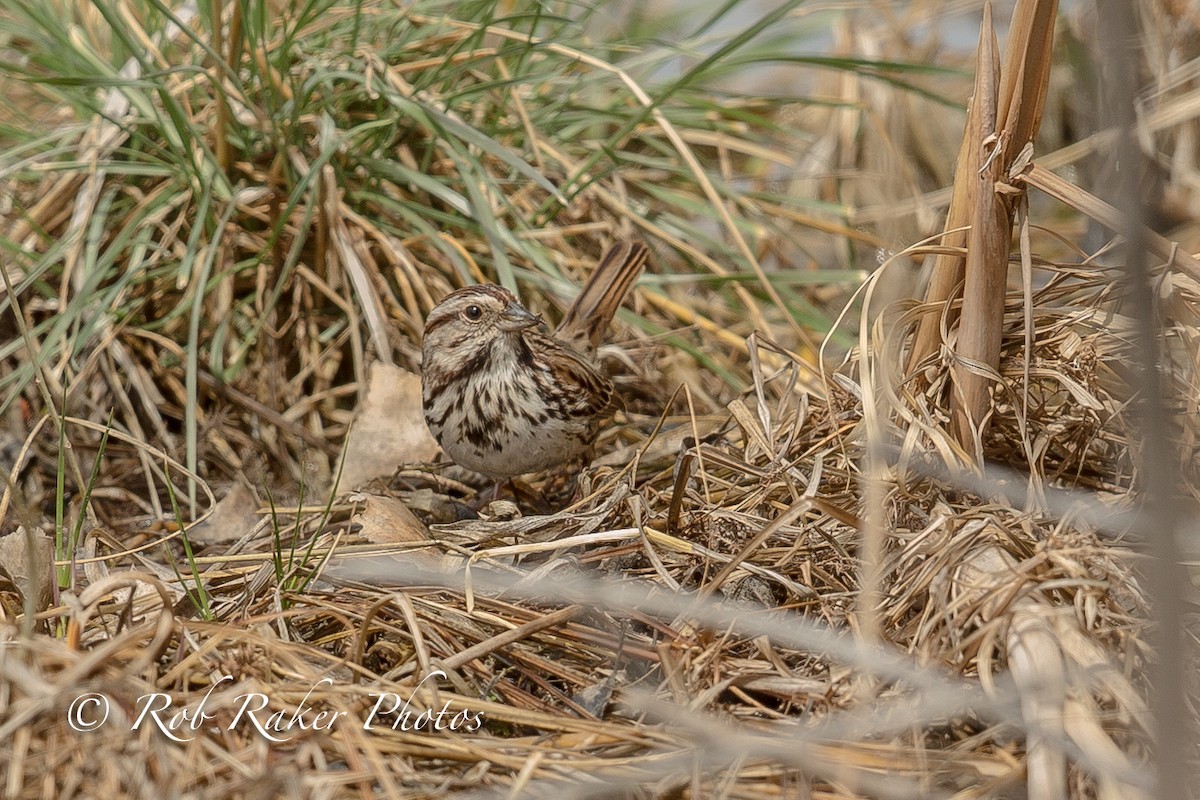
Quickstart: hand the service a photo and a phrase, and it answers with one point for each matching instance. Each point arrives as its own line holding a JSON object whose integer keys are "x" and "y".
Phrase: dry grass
{"x": 785, "y": 575}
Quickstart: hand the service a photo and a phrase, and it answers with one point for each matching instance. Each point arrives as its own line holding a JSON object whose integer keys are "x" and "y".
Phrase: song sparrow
{"x": 503, "y": 396}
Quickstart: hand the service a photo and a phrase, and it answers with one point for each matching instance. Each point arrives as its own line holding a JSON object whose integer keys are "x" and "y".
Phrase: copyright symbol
{"x": 88, "y": 711}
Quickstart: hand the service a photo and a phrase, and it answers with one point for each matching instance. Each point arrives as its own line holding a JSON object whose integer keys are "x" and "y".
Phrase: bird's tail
{"x": 589, "y": 316}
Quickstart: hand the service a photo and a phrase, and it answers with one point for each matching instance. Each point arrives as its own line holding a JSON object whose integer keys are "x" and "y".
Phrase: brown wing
{"x": 588, "y": 317}
{"x": 578, "y": 388}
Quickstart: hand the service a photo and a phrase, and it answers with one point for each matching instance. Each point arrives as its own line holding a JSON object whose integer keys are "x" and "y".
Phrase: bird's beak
{"x": 515, "y": 318}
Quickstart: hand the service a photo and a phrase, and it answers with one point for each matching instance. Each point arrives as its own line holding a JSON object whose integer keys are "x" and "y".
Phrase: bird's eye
{"x": 473, "y": 312}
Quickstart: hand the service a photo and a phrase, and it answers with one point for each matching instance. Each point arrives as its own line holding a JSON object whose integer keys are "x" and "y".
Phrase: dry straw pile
{"x": 923, "y": 566}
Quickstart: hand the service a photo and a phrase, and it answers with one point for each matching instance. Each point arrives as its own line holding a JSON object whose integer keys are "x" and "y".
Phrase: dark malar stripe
{"x": 479, "y": 360}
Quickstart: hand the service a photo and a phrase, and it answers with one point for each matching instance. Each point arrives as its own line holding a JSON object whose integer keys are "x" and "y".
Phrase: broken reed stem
{"x": 986, "y": 264}
{"x": 1004, "y": 115}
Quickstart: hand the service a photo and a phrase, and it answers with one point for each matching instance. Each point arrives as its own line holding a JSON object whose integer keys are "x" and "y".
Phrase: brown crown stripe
{"x": 461, "y": 297}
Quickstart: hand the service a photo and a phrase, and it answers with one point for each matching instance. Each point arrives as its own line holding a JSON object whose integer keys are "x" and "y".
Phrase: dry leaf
{"x": 389, "y": 429}
{"x": 235, "y": 516}
{"x": 31, "y": 577}
{"x": 386, "y": 520}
